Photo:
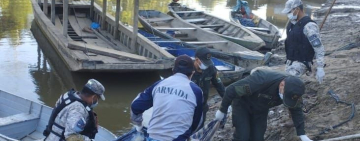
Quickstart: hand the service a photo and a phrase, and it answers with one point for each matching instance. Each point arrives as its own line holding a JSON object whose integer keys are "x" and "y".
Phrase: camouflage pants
{"x": 296, "y": 68}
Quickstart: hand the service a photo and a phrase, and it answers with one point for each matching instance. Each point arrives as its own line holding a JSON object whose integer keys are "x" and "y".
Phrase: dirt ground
{"x": 342, "y": 28}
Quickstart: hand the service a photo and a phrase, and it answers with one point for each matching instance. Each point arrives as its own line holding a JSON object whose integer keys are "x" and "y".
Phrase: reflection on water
{"x": 266, "y": 9}
{"x": 30, "y": 68}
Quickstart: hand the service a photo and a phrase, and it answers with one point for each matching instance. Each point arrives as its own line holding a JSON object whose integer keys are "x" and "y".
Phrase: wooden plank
{"x": 105, "y": 51}
{"x": 166, "y": 41}
{"x": 212, "y": 26}
{"x": 181, "y": 12}
{"x": 208, "y": 42}
{"x": 195, "y": 20}
{"x": 174, "y": 28}
{"x": 259, "y": 29}
{"x": 159, "y": 19}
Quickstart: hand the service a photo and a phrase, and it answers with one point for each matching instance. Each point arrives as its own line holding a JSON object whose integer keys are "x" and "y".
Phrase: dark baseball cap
{"x": 183, "y": 64}
{"x": 204, "y": 55}
{"x": 293, "y": 91}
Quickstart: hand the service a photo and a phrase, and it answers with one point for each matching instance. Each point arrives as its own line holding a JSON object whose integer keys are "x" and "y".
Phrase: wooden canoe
{"x": 25, "y": 120}
{"x": 228, "y": 73}
{"x": 230, "y": 31}
{"x": 264, "y": 29}
{"x": 158, "y": 23}
{"x": 88, "y": 50}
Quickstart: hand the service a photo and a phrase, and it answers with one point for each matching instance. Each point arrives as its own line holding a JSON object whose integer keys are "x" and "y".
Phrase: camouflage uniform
{"x": 311, "y": 31}
{"x": 73, "y": 117}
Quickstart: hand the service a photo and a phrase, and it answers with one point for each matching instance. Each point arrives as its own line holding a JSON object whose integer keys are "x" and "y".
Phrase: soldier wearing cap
{"x": 206, "y": 73}
{"x": 73, "y": 118}
{"x": 174, "y": 3}
{"x": 177, "y": 105}
{"x": 252, "y": 97}
{"x": 303, "y": 42}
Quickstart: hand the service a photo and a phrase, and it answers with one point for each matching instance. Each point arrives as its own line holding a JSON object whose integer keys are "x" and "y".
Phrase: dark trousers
{"x": 248, "y": 126}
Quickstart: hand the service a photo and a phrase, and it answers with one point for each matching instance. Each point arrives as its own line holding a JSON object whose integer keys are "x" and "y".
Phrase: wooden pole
{"x": 92, "y": 9}
{"x": 356, "y": 136}
{"x": 117, "y": 19}
{"x": 103, "y": 19}
{"x": 53, "y": 11}
{"x": 65, "y": 16}
{"x": 327, "y": 14}
{"x": 135, "y": 26}
{"x": 45, "y": 7}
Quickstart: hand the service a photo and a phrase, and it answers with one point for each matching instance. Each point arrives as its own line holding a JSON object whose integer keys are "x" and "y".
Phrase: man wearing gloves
{"x": 73, "y": 118}
{"x": 177, "y": 105}
{"x": 303, "y": 42}
{"x": 253, "y": 96}
{"x": 206, "y": 74}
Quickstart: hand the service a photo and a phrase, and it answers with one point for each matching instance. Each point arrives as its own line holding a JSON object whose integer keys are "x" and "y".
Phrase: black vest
{"x": 297, "y": 45}
{"x": 90, "y": 128}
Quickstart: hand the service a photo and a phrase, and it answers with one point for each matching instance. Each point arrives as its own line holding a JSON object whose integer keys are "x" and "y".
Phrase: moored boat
{"x": 25, "y": 120}
{"x": 225, "y": 29}
{"x": 228, "y": 73}
{"x": 262, "y": 28}
{"x": 84, "y": 46}
{"x": 174, "y": 30}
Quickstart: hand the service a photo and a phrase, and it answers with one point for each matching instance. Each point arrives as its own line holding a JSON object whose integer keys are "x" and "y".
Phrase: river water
{"x": 30, "y": 68}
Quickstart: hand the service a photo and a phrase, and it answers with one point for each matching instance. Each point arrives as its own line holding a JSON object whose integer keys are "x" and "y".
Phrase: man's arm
{"x": 141, "y": 103}
{"x": 311, "y": 31}
{"x": 298, "y": 120}
{"x": 216, "y": 81}
{"x": 246, "y": 86}
{"x": 75, "y": 123}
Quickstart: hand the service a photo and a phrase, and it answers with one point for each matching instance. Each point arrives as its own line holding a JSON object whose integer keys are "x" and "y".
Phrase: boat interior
{"x": 25, "y": 120}
{"x": 206, "y": 21}
{"x": 191, "y": 35}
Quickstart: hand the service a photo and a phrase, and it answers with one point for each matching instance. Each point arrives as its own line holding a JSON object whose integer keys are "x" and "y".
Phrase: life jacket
{"x": 297, "y": 45}
{"x": 90, "y": 128}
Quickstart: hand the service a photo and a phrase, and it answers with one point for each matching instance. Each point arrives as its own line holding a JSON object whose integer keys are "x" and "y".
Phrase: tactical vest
{"x": 90, "y": 128}
{"x": 297, "y": 45}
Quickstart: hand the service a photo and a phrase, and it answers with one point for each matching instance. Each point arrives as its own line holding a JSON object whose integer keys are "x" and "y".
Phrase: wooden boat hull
{"x": 230, "y": 31}
{"x": 109, "y": 55}
{"x": 154, "y": 21}
{"x": 228, "y": 73}
{"x": 22, "y": 119}
{"x": 270, "y": 37}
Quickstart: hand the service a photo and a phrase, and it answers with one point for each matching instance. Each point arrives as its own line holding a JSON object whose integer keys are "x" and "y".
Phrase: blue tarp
{"x": 177, "y": 49}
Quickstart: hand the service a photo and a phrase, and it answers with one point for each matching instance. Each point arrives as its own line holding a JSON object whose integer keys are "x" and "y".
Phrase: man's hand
{"x": 320, "y": 74}
{"x": 136, "y": 119}
{"x": 138, "y": 128}
{"x": 304, "y": 138}
{"x": 219, "y": 115}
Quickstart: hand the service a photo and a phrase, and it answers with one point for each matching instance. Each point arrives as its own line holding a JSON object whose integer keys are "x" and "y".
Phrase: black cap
{"x": 293, "y": 91}
{"x": 204, "y": 55}
{"x": 183, "y": 64}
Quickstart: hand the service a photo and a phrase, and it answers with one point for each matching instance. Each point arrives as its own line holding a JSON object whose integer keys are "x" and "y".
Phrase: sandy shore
{"x": 342, "y": 29}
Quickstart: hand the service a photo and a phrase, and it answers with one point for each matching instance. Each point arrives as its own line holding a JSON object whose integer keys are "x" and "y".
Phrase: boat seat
{"x": 159, "y": 19}
{"x": 208, "y": 42}
{"x": 259, "y": 29}
{"x": 17, "y": 118}
{"x": 19, "y": 125}
{"x": 184, "y": 12}
{"x": 167, "y": 41}
{"x": 171, "y": 28}
{"x": 196, "y": 20}
{"x": 188, "y": 39}
{"x": 212, "y": 26}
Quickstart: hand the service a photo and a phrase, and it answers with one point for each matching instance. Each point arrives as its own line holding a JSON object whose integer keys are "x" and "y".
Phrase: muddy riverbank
{"x": 341, "y": 30}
